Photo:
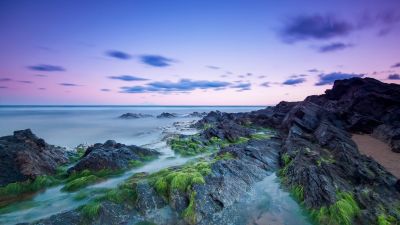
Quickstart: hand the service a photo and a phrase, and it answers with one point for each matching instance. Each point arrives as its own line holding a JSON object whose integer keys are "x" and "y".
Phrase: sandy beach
{"x": 380, "y": 151}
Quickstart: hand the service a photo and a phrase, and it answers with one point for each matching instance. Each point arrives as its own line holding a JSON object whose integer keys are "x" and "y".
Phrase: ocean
{"x": 69, "y": 126}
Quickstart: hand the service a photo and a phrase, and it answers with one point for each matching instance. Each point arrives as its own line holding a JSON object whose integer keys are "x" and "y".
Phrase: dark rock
{"x": 111, "y": 155}
{"x": 166, "y": 115}
{"x": 365, "y": 104}
{"x": 197, "y": 114}
{"x": 134, "y": 116}
{"x": 148, "y": 200}
{"x": 24, "y": 156}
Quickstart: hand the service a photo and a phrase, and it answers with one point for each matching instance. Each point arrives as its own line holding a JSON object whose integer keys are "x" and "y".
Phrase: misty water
{"x": 71, "y": 126}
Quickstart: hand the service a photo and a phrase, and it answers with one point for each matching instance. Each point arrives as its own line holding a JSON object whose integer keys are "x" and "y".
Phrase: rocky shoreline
{"x": 308, "y": 144}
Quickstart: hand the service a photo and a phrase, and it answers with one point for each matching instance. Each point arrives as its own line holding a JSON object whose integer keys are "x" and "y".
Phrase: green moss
{"x": 342, "y": 212}
{"x": 286, "y": 159}
{"x": 325, "y": 160}
{"x": 261, "y": 136}
{"x": 189, "y": 214}
{"x": 84, "y": 178}
{"x": 14, "y": 189}
{"x": 80, "y": 182}
{"x": 145, "y": 223}
{"x": 181, "y": 179}
{"x": 135, "y": 163}
{"x": 224, "y": 156}
{"x": 298, "y": 193}
{"x": 91, "y": 210}
{"x": 190, "y": 146}
{"x": 80, "y": 196}
{"x": 241, "y": 140}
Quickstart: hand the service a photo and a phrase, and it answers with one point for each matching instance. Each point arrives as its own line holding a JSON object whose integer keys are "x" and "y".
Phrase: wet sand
{"x": 379, "y": 151}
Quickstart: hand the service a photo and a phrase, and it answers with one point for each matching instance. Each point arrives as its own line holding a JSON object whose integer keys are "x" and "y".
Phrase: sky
{"x": 179, "y": 52}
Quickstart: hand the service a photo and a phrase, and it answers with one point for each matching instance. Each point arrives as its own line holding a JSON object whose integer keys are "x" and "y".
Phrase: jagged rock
{"x": 227, "y": 130}
{"x": 166, "y": 115}
{"x": 365, "y": 104}
{"x": 197, "y": 114}
{"x": 148, "y": 200}
{"x": 231, "y": 179}
{"x": 134, "y": 116}
{"x": 111, "y": 155}
{"x": 25, "y": 156}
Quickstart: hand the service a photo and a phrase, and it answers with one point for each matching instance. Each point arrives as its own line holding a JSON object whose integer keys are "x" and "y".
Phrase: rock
{"x": 197, "y": 114}
{"x": 111, "y": 155}
{"x": 25, "y": 156}
{"x": 166, "y": 115}
{"x": 227, "y": 130}
{"x": 231, "y": 179}
{"x": 134, "y": 116}
{"x": 365, "y": 104}
{"x": 148, "y": 200}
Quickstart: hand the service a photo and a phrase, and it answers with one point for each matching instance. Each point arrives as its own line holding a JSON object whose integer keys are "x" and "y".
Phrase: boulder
{"x": 24, "y": 156}
{"x": 111, "y": 155}
{"x": 134, "y": 116}
{"x": 166, "y": 115}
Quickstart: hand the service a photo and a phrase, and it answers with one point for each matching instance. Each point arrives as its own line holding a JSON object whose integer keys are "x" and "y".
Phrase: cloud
{"x": 42, "y": 89}
{"x": 313, "y": 71}
{"x": 333, "y": 47}
{"x": 5, "y": 79}
{"x": 118, "y": 54}
{"x": 40, "y": 75}
{"x": 46, "y": 68}
{"x": 183, "y": 85}
{"x": 294, "y": 81}
{"x": 266, "y": 84}
{"x": 156, "y": 60}
{"x": 105, "y": 89}
{"x": 127, "y": 78}
{"x": 69, "y": 84}
{"x": 319, "y": 27}
{"x": 242, "y": 86}
{"x": 330, "y": 78}
{"x": 262, "y": 76}
{"x": 213, "y": 67}
{"x": 298, "y": 75}
{"x": 394, "y": 76}
{"x": 3, "y": 87}
{"x": 26, "y": 81}
{"x": 396, "y": 65}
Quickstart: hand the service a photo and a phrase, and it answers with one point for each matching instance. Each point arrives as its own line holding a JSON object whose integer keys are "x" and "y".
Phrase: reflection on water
{"x": 269, "y": 204}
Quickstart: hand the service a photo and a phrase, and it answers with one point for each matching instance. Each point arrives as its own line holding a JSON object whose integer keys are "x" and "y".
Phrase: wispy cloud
{"x": 294, "y": 81}
{"x": 3, "y": 87}
{"x": 394, "y": 76}
{"x": 213, "y": 67}
{"x": 320, "y": 27}
{"x": 242, "y": 86}
{"x": 42, "y": 89}
{"x": 5, "y": 79}
{"x": 156, "y": 60}
{"x": 396, "y": 65}
{"x": 46, "y": 68}
{"x": 313, "y": 71}
{"x": 329, "y": 78}
{"x": 105, "y": 89}
{"x": 69, "y": 84}
{"x": 183, "y": 85}
{"x": 127, "y": 78}
{"x": 26, "y": 81}
{"x": 266, "y": 84}
{"x": 118, "y": 54}
{"x": 40, "y": 75}
{"x": 334, "y": 47}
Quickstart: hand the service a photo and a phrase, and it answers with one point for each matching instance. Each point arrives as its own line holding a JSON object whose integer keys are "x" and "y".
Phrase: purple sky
{"x": 191, "y": 52}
